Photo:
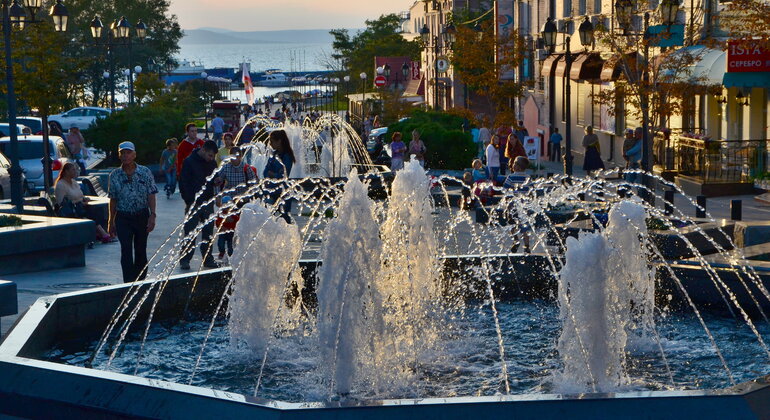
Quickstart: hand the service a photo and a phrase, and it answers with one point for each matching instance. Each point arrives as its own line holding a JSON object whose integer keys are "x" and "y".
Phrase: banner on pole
{"x": 247, "y": 85}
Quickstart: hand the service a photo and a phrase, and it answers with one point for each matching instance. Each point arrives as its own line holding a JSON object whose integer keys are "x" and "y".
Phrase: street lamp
{"x": 386, "y": 71}
{"x": 426, "y": 37}
{"x": 120, "y": 29}
{"x": 624, "y": 9}
{"x": 58, "y": 13}
{"x": 405, "y": 73}
{"x": 449, "y": 34}
{"x": 586, "y": 32}
{"x": 548, "y": 33}
{"x": 668, "y": 11}
{"x": 363, "y": 98}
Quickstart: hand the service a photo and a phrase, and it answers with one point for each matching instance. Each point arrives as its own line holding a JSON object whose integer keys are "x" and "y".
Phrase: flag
{"x": 245, "y": 69}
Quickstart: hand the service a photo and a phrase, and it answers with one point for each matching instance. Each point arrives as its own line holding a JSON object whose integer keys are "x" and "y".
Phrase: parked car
{"x": 5, "y": 178}
{"x": 21, "y": 129}
{"x": 31, "y": 157}
{"x": 34, "y": 123}
{"x": 81, "y": 117}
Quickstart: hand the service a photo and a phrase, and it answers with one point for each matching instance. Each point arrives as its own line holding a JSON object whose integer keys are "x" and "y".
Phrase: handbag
{"x": 72, "y": 210}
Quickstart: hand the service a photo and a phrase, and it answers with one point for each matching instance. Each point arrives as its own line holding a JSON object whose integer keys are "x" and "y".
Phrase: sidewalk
{"x": 102, "y": 263}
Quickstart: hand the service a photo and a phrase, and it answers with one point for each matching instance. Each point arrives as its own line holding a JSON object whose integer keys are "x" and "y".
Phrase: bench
{"x": 92, "y": 185}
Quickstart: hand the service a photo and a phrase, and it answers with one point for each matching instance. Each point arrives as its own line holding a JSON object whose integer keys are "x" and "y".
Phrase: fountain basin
{"x": 36, "y": 388}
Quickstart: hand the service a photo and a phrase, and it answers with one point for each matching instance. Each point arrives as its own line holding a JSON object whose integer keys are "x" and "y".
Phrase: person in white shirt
{"x": 493, "y": 157}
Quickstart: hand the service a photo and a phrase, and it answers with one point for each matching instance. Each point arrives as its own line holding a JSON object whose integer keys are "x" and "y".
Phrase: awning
{"x": 706, "y": 66}
{"x": 747, "y": 80}
{"x": 548, "y": 68}
{"x": 561, "y": 67}
{"x": 586, "y": 67}
{"x": 415, "y": 87}
{"x": 615, "y": 67}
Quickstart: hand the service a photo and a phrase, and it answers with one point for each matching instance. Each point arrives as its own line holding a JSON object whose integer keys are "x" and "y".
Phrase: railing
{"x": 720, "y": 161}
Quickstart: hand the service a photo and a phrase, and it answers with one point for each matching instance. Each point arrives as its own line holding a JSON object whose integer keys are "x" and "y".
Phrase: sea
{"x": 296, "y": 57}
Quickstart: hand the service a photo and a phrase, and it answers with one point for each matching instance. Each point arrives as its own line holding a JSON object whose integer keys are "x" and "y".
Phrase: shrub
{"x": 10, "y": 221}
{"x": 147, "y": 127}
{"x": 448, "y": 146}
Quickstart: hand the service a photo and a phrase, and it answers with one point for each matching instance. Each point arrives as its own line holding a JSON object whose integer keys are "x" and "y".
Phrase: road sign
{"x": 379, "y": 81}
{"x": 442, "y": 64}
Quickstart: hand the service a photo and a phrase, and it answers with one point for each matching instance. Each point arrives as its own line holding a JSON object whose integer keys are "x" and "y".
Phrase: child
{"x": 479, "y": 172}
{"x": 226, "y": 228}
{"x": 168, "y": 166}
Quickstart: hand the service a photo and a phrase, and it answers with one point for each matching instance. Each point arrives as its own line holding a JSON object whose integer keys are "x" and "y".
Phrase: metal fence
{"x": 719, "y": 161}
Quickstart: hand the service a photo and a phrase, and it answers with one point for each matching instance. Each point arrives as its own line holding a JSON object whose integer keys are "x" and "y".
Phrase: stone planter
{"x": 44, "y": 243}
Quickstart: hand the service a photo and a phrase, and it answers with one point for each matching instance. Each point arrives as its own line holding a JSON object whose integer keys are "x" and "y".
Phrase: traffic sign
{"x": 379, "y": 81}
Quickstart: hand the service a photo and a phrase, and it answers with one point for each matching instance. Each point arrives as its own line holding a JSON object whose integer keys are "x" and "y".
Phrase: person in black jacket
{"x": 193, "y": 180}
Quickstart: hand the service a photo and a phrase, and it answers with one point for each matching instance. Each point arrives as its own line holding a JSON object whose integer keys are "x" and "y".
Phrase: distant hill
{"x": 224, "y": 36}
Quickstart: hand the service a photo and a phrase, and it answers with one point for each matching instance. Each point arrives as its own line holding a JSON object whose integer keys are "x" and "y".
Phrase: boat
{"x": 188, "y": 68}
{"x": 274, "y": 77}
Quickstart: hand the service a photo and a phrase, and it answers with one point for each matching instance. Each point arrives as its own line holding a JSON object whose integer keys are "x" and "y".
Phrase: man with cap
{"x": 132, "y": 211}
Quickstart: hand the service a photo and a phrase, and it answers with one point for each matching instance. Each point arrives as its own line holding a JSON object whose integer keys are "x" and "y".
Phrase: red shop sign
{"x": 745, "y": 56}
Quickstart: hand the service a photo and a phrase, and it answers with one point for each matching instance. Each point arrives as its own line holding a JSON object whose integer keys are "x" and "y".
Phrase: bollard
{"x": 701, "y": 200}
{"x": 668, "y": 196}
{"x": 736, "y": 210}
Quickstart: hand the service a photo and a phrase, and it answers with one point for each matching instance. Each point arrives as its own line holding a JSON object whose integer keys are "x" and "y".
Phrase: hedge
{"x": 448, "y": 146}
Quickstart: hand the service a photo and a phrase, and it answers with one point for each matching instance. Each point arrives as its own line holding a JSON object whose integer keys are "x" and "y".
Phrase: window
{"x": 567, "y": 11}
{"x": 596, "y": 108}
{"x": 77, "y": 112}
{"x": 597, "y": 7}
{"x": 582, "y": 7}
{"x": 581, "y": 94}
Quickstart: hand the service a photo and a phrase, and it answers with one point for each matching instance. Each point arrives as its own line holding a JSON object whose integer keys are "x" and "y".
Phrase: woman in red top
{"x": 514, "y": 149}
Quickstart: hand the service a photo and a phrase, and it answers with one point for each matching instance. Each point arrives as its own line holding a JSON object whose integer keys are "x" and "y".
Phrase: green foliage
{"x": 448, "y": 146}
{"x": 147, "y": 86}
{"x": 10, "y": 221}
{"x": 45, "y": 75}
{"x": 380, "y": 38}
{"x": 148, "y": 127}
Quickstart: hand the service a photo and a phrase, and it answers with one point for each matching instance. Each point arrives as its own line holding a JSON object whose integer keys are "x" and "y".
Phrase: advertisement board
{"x": 745, "y": 56}
{"x": 532, "y": 148}
{"x": 503, "y": 28}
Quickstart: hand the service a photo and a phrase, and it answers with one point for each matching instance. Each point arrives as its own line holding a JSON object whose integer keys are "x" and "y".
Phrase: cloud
{"x": 250, "y": 15}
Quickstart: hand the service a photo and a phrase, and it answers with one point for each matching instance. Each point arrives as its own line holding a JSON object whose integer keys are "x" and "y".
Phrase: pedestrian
{"x": 493, "y": 157}
{"x": 194, "y": 182}
{"x": 593, "y": 157}
{"x": 397, "y": 151}
{"x": 502, "y": 144}
{"x": 236, "y": 174}
{"x": 226, "y": 223}
{"x": 376, "y": 122}
{"x": 224, "y": 151}
{"x": 514, "y": 148}
{"x": 484, "y": 137}
{"x": 186, "y": 147}
{"x": 247, "y": 134}
{"x": 521, "y": 132}
{"x": 480, "y": 173}
{"x": 279, "y": 166}
{"x": 73, "y": 203}
{"x": 417, "y": 148}
{"x": 632, "y": 153}
{"x": 55, "y": 130}
{"x": 77, "y": 146}
{"x": 555, "y": 141}
{"x": 132, "y": 211}
{"x": 168, "y": 166}
{"x": 367, "y": 127}
{"x": 218, "y": 124}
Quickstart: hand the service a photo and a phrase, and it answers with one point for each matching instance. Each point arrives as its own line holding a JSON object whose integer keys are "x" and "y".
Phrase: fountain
{"x": 400, "y": 308}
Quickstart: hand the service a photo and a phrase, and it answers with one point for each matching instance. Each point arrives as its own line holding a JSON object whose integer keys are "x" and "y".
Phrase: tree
{"x": 473, "y": 60}
{"x": 147, "y": 85}
{"x": 154, "y": 54}
{"x": 380, "y": 38}
{"x": 660, "y": 82}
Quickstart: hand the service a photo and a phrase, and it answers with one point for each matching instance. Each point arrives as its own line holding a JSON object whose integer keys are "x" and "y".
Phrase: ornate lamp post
{"x": 586, "y": 34}
{"x": 363, "y": 99}
{"x": 15, "y": 15}
{"x": 119, "y": 34}
{"x": 405, "y": 73}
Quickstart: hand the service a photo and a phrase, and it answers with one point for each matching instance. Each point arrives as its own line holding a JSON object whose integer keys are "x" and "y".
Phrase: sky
{"x": 270, "y": 15}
